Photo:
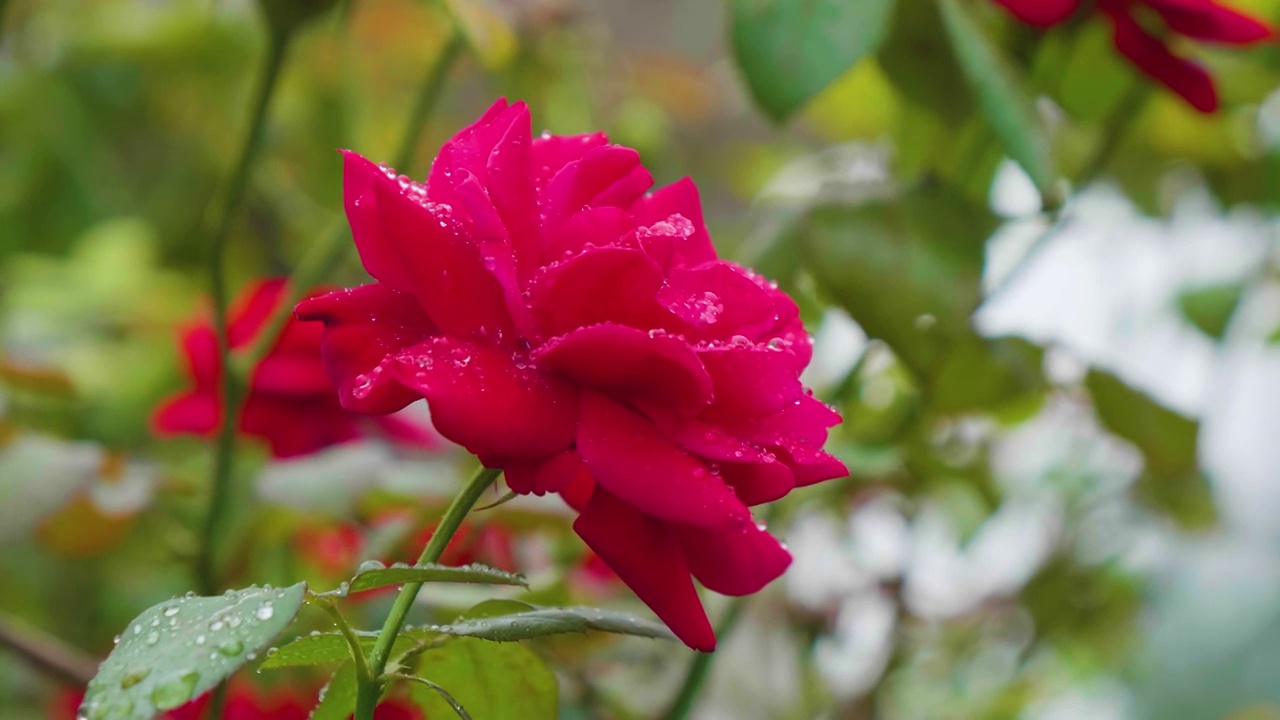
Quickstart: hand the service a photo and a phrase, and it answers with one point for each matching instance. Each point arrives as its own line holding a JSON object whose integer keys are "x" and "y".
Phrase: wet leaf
{"x": 181, "y": 648}
{"x": 510, "y": 620}
{"x": 789, "y": 50}
{"x": 373, "y": 574}
{"x": 338, "y": 697}
{"x": 324, "y": 648}
{"x": 490, "y": 680}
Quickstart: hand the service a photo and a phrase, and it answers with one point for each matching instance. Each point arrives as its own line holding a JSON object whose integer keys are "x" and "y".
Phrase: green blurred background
{"x": 1062, "y": 418}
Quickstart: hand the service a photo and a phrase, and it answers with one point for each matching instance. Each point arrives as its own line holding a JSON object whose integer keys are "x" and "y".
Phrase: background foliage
{"x": 1045, "y": 296}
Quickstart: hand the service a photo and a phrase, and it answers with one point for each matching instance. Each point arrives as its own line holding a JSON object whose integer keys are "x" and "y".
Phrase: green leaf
{"x": 1002, "y": 96}
{"x": 1166, "y": 439}
{"x": 338, "y": 698}
{"x": 324, "y": 648}
{"x": 979, "y": 373}
{"x": 181, "y": 648}
{"x": 1210, "y": 308}
{"x": 789, "y": 50}
{"x": 488, "y": 679}
{"x": 908, "y": 268}
{"x": 509, "y": 620}
{"x": 310, "y": 650}
{"x": 373, "y": 574}
{"x": 919, "y": 62}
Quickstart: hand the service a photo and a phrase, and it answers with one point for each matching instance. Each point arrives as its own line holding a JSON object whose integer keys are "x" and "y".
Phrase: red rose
{"x": 582, "y": 336}
{"x": 290, "y": 402}
{"x": 245, "y": 701}
{"x": 1203, "y": 20}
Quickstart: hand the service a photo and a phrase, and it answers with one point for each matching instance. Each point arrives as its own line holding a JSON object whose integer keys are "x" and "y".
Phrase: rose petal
{"x": 399, "y": 429}
{"x": 539, "y": 477}
{"x": 810, "y": 464}
{"x": 251, "y": 310}
{"x": 647, "y": 557}
{"x": 628, "y": 457}
{"x": 1211, "y": 22}
{"x": 578, "y": 491}
{"x": 550, "y": 153}
{"x": 806, "y": 420}
{"x": 630, "y": 363}
{"x": 296, "y": 427}
{"x": 601, "y": 285}
{"x": 605, "y": 176}
{"x": 750, "y": 379}
{"x": 481, "y": 399}
{"x": 733, "y": 561}
{"x": 679, "y": 198}
{"x": 718, "y": 300}
{"x": 194, "y": 413}
{"x": 446, "y": 269}
{"x": 1041, "y": 13}
{"x": 756, "y": 475}
{"x": 292, "y": 374}
{"x": 1153, "y": 57}
{"x": 364, "y": 326}
{"x": 601, "y": 226}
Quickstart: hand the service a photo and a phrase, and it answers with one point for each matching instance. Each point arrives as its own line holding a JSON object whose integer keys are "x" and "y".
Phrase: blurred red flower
{"x": 1201, "y": 20}
{"x": 245, "y": 701}
{"x": 291, "y": 402}
{"x": 583, "y": 336}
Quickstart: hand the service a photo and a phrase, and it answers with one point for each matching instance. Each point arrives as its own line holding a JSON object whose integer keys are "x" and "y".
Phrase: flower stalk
{"x": 232, "y": 387}
{"x": 370, "y": 689}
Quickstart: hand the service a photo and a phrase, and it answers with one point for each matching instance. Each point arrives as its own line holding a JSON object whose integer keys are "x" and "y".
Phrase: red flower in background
{"x": 291, "y": 402}
{"x": 583, "y": 336}
{"x": 245, "y": 701}
{"x": 1202, "y": 20}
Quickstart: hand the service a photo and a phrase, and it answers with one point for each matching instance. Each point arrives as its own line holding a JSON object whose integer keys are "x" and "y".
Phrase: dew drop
{"x": 265, "y": 612}
{"x": 153, "y": 637}
{"x": 176, "y": 692}
{"x": 171, "y": 611}
{"x": 133, "y": 677}
{"x": 370, "y": 566}
{"x": 232, "y": 648}
{"x": 200, "y": 639}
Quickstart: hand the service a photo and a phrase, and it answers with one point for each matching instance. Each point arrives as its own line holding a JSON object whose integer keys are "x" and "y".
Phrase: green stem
{"x": 367, "y": 697}
{"x": 353, "y": 642}
{"x": 322, "y": 258}
{"x": 219, "y": 501}
{"x": 701, "y": 666}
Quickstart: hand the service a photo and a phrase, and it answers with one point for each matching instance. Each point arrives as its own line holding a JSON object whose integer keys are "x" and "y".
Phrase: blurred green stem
{"x": 323, "y": 256}
{"x": 47, "y": 653}
{"x": 369, "y": 691}
{"x": 229, "y": 384}
{"x": 701, "y": 666}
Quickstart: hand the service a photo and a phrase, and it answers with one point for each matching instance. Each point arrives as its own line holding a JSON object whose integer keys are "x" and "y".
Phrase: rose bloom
{"x": 582, "y": 336}
{"x": 290, "y": 403}
{"x": 1202, "y": 20}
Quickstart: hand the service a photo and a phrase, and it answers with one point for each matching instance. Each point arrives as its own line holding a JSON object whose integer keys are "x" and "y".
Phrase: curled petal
{"x": 679, "y": 198}
{"x": 200, "y": 351}
{"x": 550, "y": 153}
{"x": 605, "y": 176}
{"x": 483, "y": 400}
{"x": 577, "y": 492}
{"x": 648, "y": 558}
{"x": 755, "y": 474}
{"x": 629, "y": 458}
{"x": 364, "y": 326}
{"x": 733, "y": 561}
{"x": 1154, "y": 58}
{"x": 251, "y": 310}
{"x": 805, "y": 420}
{"x": 630, "y": 363}
{"x": 809, "y": 463}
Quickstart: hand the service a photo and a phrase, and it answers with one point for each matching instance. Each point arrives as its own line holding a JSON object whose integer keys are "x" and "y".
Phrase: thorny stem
{"x": 319, "y": 262}
{"x": 368, "y": 693}
{"x": 229, "y": 385}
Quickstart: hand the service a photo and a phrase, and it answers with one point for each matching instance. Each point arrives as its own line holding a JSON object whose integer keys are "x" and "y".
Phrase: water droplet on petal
{"x": 153, "y": 637}
{"x": 265, "y": 612}
{"x": 171, "y": 611}
{"x": 232, "y": 648}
